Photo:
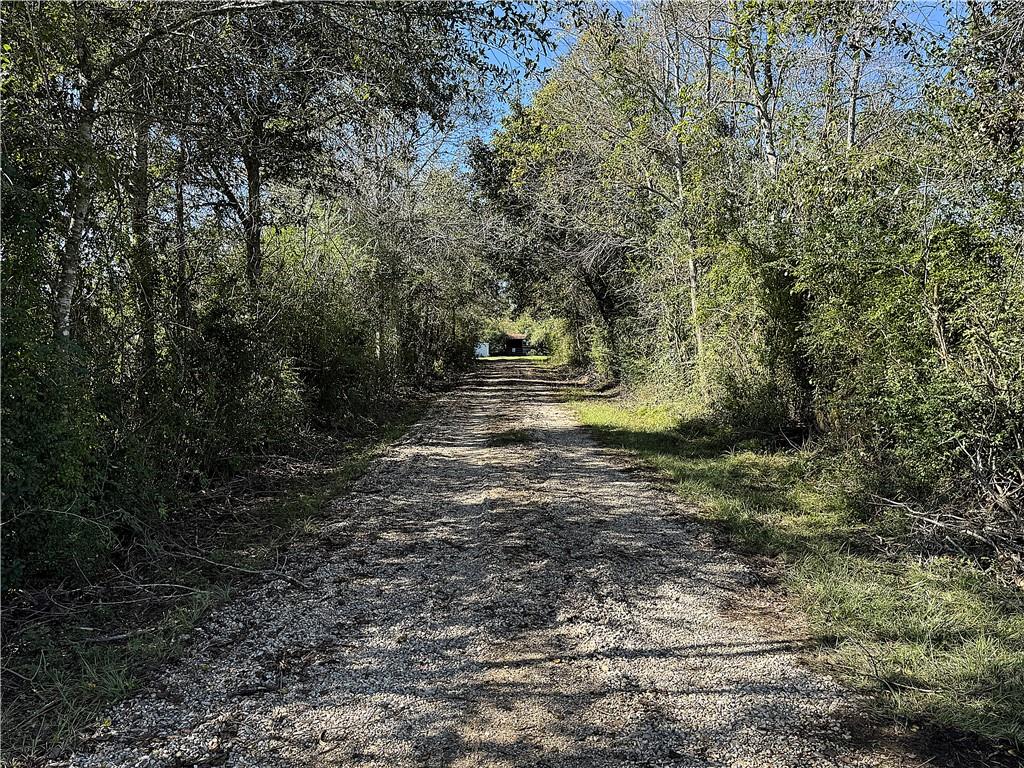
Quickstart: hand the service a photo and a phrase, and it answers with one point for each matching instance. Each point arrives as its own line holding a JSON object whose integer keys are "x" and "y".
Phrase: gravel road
{"x": 497, "y": 591}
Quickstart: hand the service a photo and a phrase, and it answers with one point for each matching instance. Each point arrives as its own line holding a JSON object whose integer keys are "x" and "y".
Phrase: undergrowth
{"x": 937, "y": 639}
{"x": 68, "y": 654}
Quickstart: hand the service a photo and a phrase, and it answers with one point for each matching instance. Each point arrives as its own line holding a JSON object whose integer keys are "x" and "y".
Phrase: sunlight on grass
{"x": 936, "y": 640}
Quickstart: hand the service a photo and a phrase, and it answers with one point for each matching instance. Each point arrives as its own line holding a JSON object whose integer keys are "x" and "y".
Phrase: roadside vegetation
{"x": 706, "y": 205}
{"x": 64, "y": 665}
{"x": 235, "y": 243}
{"x": 937, "y": 639}
{"x": 790, "y": 234}
{"x": 238, "y": 236}
{"x": 204, "y": 270}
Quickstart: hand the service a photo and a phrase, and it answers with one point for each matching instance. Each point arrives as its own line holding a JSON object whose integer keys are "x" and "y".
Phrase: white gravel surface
{"x": 478, "y": 604}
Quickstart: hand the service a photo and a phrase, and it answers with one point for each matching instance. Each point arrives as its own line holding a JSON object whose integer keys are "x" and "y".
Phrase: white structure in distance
{"x": 483, "y": 349}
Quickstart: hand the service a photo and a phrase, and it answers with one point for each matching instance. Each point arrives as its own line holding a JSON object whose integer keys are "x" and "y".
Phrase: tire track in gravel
{"x": 479, "y": 604}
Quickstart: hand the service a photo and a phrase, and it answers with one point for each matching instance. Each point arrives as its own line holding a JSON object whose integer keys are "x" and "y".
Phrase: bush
{"x": 52, "y": 453}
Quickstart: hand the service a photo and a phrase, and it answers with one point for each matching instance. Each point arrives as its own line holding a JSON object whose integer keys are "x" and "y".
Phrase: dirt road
{"x": 497, "y": 592}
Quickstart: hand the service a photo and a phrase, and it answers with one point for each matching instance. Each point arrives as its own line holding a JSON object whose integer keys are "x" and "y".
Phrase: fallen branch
{"x": 290, "y": 579}
{"x": 115, "y": 638}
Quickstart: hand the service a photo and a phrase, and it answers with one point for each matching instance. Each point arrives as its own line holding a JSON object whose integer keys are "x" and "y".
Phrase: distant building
{"x": 508, "y": 344}
{"x": 515, "y": 343}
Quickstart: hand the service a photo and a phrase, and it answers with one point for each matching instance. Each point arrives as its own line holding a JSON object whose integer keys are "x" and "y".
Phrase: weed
{"x": 937, "y": 640}
{"x": 60, "y": 673}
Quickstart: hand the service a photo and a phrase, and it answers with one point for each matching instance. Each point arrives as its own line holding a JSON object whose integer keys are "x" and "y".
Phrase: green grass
{"x": 938, "y": 640}
{"x": 74, "y": 675}
{"x": 61, "y": 673}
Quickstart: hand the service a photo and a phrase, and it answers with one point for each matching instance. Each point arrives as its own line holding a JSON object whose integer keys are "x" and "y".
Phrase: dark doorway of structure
{"x": 515, "y": 344}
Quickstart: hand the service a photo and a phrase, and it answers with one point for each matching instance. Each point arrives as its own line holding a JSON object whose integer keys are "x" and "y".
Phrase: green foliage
{"x": 550, "y": 337}
{"x": 211, "y": 251}
{"x": 744, "y": 387}
{"x": 52, "y": 443}
{"x": 935, "y": 639}
{"x": 717, "y": 216}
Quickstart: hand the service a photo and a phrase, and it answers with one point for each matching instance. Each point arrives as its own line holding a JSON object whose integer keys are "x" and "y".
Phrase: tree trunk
{"x": 142, "y": 247}
{"x": 691, "y": 276}
{"x": 80, "y": 200}
{"x": 708, "y": 64}
{"x": 766, "y": 125}
{"x": 763, "y": 93}
{"x": 181, "y": 287}
{"x": 678, "y": 166}
{"x": 831, "y": 83}
{"x": 851, "y": 110}
{"x": 253, "y": 219}
{"x": 698, "y": 335}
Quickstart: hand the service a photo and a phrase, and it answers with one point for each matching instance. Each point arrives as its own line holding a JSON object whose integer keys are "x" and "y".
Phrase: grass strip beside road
{"x": 938, "y": 640}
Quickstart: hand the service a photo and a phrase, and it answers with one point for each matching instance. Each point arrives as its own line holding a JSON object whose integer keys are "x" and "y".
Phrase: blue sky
{"x": 931, "y": 16}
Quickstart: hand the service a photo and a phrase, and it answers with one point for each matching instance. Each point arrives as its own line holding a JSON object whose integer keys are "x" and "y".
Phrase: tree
{"x": 157, "y": 149}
